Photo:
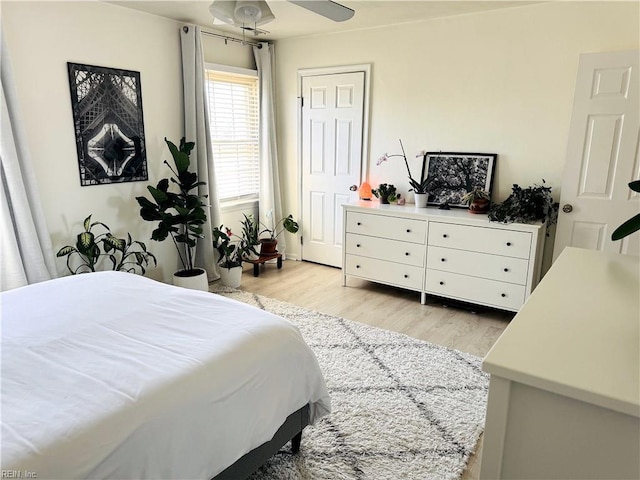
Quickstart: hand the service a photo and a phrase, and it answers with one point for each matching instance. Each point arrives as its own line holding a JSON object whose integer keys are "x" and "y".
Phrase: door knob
{"x": 353, "y": 188}
{"x": 567, "y": 208}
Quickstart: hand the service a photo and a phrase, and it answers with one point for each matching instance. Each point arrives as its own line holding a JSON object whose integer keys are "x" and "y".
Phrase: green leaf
{"x": 627, "y": 228}
{"x": 635, "y": 186}
{"x": 65, "y": 251}
{"x": 87, "y": 223}
{"x": 158, "y": 195}
{"x": 85, "y": 241}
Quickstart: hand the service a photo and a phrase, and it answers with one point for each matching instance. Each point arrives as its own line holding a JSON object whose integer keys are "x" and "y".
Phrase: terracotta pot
{"x": 480, "y": 205}
{"x": 195, "y": 279}
{"x": 268, "y": 246}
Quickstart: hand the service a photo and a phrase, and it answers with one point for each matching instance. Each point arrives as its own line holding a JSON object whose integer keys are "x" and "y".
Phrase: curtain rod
{"x": 228, "y": 38}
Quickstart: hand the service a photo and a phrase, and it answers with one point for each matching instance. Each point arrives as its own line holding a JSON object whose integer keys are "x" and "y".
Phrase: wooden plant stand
{"x": 262, "y": 259}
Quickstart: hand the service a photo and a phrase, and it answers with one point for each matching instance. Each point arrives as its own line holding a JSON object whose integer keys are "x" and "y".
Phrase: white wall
{"x": 499, "y": 82}
{"x": 41, "y": 38}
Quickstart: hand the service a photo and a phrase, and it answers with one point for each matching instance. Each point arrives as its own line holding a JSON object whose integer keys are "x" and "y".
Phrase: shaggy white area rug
{"x": 402, "y": 408}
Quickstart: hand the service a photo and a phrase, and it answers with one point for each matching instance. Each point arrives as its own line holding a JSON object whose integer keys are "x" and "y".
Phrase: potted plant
{"x": 251, "y": 236}
{"x": 125, "y": 255}
{"x": 527, "y": 205}
{"x": 386, "y": 192}
{"x": 419, "y": 188}
{"x": 230, "y": 255}
{"x": 268, "y": 244}
{"x": 180, "y": 215}
{"x": 477, "y": 199}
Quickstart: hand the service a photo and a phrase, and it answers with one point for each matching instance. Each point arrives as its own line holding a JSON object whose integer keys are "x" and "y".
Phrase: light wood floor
{"x": 319, "y": 287}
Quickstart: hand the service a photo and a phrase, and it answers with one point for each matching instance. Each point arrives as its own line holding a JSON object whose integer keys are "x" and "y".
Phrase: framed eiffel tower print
{"x": 109, "y": 125}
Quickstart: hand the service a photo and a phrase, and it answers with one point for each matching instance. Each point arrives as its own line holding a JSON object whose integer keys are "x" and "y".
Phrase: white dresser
{"x": 564, "y": 395}
{"x": 448, "y": 253}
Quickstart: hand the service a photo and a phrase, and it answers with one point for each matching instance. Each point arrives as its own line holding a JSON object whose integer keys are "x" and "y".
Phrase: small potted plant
{"x": 419, "y": 188}
{"x": 125, "y": 255}
{"x": 180, "y": 215}
{"x": 477, "y": 199}
{"x": 251, "y": 236}
{"x": 230, "y": 255}
{"x": 268, "y": 244}
{"x": 386, "y": 192}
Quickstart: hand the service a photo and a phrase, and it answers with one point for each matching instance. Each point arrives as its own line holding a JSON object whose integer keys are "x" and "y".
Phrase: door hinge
{"x": 301, "y": 102}
{"x": 301, "y": 241}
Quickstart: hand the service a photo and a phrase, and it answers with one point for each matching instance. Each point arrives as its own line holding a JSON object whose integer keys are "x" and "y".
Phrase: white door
{"x": 602, "y": 155}
{"x": 332, "y": 141}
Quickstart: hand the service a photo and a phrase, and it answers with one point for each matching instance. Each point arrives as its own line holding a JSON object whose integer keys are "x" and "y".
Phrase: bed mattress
{"x": 113, "y": 375}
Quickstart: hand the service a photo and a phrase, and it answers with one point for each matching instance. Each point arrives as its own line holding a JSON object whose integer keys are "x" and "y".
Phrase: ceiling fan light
{"x": 247, "y": 11}
{"x": 223, "y": 10}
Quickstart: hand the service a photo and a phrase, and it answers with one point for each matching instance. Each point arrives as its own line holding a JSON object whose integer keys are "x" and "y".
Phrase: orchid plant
{"x": 416, "y": 186}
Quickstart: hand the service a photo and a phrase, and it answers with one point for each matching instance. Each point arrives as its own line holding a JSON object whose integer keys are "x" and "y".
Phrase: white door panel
{"x": 332, "y": 139}
{"x": 602, "y": 155}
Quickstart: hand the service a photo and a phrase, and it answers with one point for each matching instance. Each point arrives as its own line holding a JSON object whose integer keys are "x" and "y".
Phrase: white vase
{"x": 231, "y": 277}
{"x": 194, "y": 282}
{"x": 421, "y": 199}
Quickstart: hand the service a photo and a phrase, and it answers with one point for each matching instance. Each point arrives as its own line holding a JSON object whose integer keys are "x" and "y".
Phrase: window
{"x": 234, "y": 124}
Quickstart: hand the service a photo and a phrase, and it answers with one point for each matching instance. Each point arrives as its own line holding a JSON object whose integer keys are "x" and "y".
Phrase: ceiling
{"x": 294, "y": 21}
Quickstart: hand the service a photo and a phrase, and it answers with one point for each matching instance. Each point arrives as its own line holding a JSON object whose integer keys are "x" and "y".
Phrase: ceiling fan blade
{"x": 327, "y": 8}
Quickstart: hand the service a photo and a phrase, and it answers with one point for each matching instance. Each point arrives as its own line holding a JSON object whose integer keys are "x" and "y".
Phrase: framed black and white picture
{"x": 109, "y": 126}
{"x": 450, "y": 175}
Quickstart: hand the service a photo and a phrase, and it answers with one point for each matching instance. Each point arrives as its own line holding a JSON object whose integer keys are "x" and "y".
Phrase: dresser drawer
{"x": 395, "y": 228}
{"x": 471, "y": 289}
{"x": 385, "y": 249}
{"x": 480, "y": 239}
{"x": 382, "y": 271}
{"x": 484, "y": 265}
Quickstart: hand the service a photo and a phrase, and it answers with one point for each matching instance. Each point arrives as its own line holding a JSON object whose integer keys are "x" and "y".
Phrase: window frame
{"x": 240, "y": 201}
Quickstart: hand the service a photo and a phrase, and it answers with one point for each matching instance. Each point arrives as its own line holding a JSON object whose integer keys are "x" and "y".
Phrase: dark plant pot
{"x": 194, "y": 272}
{"x": 479, "y": 206}
{"x": 384, "y": 200}
{"x": 268, "y": 246}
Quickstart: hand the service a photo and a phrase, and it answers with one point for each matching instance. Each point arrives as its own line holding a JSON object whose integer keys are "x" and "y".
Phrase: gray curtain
{"x": 196, "y": 129}
{"x": 26, "y": 254}
{"x": 270, "y": 198}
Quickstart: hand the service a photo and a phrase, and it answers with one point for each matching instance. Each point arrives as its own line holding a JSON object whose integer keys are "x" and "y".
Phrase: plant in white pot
{"x": 419, "y": 188}
{"x": 230, "y": 255}
{"x": 180, "y": 215}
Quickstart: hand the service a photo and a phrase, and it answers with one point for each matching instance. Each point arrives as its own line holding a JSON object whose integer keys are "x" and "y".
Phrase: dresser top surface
{"x": 432, "y": 213}
{"x": 578, "y": 334}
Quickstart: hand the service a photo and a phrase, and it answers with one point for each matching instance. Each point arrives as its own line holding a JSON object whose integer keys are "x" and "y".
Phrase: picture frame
{"x": 450, "y": 175}
{"x": 108, "y": 124}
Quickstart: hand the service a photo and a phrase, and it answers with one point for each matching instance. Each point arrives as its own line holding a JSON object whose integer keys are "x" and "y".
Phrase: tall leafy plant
{"x": 180, "y": 215}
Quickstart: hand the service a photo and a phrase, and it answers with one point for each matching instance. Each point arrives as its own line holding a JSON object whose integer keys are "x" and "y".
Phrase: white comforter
{"x": 112, "y": 375}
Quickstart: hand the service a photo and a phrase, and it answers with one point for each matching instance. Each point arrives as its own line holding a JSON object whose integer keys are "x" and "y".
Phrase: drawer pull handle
{"x": 357, "y": 245}
{"x": 406, "y": 254}
{"x": 508, "y": 244}
{"x": 441, "y": 283}
{"x": 503, "y": 295}
{"x": 443, "y": 259}
{"x": 445, "y": 235}
{"x": 357, "y": 266}
{"x": 358, "y": 223}
{"x": 406, "y": 276}
{"x": 506, "y": 269}
{"x": 408, "y": 230}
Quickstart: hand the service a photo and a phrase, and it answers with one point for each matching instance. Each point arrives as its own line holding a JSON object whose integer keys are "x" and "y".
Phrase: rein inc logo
{"x": 18, "y": 474}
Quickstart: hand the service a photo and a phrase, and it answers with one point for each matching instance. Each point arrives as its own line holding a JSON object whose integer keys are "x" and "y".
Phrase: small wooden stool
{"x": 262, "y": 259}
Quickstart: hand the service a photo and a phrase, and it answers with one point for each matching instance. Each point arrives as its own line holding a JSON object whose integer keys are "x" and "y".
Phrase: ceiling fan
{"x": 249, "y": 14}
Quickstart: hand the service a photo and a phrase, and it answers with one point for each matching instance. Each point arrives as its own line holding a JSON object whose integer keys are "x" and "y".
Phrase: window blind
{"x": 235, "y": 130}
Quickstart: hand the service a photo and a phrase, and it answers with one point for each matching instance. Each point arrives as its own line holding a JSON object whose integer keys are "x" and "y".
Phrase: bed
{"x": 113, "y": 375}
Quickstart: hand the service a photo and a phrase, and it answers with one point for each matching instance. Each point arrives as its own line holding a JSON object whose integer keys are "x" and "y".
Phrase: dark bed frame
{"x": 291, "y": 429}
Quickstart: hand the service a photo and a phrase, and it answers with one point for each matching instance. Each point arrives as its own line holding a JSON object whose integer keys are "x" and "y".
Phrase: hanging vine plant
{"x": 527, "y": 205}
